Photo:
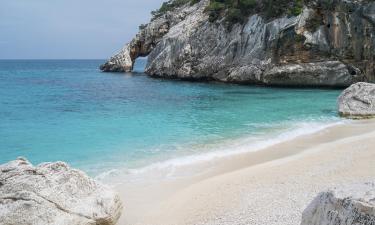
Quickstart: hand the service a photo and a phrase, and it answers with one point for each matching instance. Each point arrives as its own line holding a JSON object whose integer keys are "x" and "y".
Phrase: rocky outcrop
{"x": 355, "y": 206}
{"x": 357, "y": 101}
{"x": 54, "y": 193}
{"x": 145, "y": 41}
{"x": 121, "y": 62}
{"x": 328, "y": 73}
{"x": 331, "y": 43}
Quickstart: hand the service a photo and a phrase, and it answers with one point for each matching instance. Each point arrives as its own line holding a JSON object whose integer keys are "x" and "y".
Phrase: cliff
{"x": 329, "y": 43}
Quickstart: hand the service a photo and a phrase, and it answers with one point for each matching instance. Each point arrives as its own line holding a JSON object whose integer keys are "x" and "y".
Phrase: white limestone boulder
{"x": 348, "y": 206}
{"x": 357, "y": 101}
{"x": 54, "y": 193}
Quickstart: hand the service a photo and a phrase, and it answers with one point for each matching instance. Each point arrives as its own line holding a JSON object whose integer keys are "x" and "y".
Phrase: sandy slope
{"x": 271, "y": 186}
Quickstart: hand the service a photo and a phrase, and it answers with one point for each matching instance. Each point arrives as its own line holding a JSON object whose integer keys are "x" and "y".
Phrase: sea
{"x": 68, "y": 110}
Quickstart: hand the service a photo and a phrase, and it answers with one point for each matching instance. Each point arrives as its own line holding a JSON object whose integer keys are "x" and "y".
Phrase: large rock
{"x": 141, "y": 45}
{"x": 354, "y": 206}
{"x": 331, "y": 43}
{"x": 357, "y": 101}
{"x": 54, "y": 193}
{"x": 121, "y": 62}
{"x": 329, "y": 74}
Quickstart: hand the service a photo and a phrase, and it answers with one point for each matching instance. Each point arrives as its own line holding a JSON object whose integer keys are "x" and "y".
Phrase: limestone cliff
{"x": 330, "y": 43}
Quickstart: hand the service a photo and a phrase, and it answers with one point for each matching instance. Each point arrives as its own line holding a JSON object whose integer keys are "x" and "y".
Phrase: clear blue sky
{"x": 69, "y": 29}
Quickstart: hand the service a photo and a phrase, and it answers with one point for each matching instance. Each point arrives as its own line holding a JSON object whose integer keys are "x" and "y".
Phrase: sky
{"x": 69, "y": 29}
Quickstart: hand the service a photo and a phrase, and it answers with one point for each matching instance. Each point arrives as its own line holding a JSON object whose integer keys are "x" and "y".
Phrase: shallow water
{"x": 68, "y": 110}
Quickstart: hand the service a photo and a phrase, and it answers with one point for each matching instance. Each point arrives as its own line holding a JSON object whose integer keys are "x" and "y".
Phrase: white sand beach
{"x": 271, "y": 186}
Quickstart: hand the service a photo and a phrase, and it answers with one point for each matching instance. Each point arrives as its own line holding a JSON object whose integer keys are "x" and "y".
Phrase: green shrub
{"x": 299, "y": 38}
{"x": 234, "y": 15}
{"x": 236, "y": 11}
{"x": 170, "y": 5}
{"x": 326, "y": 4}
{"x": 214, "y": 10}
{"x": 276, "y": 8}
{"x": 296, "y": 9}
{"x": 193, "y": 2}
{"x": 247, "y": 6}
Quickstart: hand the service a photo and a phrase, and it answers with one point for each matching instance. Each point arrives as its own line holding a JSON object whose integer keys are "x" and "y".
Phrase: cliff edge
{"x": 324, "y": 43}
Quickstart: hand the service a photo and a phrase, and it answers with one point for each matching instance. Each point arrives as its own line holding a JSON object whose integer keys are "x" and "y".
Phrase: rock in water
{"x": 357, "y": 101}
{"x": 54, "y": 193}
{"x": 349, "y": 207}
{"x": 121, "y": 62}
{"x": 140, "y": 46}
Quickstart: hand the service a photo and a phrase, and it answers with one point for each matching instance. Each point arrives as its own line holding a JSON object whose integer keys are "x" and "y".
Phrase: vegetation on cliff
{"x": 236, "y": 11}
{"x": 170, "y": 5}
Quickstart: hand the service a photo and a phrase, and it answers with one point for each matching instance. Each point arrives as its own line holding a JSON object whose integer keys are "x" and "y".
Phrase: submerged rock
{"x": 354, "y": 206}
{"x": 329, "y": 44}
{"x": 54, "y": 193}
{"x": 357, "y": 101}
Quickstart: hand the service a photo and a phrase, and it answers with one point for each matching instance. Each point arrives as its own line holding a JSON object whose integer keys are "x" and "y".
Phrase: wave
{"x": 175, "y": 167}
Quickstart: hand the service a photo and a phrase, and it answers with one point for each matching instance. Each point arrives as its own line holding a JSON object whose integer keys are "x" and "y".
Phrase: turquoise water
{"x": 68, "y": 110}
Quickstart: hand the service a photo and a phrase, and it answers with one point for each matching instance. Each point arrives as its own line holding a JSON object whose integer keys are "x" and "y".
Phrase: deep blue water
{"x": 68, "y": 110}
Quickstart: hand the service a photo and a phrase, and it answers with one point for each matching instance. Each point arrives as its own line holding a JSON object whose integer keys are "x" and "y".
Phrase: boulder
{"x": 357, "y": 101}
{"x": 121, "y": 62}
{"x": 54, "y": 193}
{"x": 355, "y": 206}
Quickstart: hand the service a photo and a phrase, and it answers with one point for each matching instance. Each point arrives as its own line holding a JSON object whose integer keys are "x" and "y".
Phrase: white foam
{"x": 173, "y": 167}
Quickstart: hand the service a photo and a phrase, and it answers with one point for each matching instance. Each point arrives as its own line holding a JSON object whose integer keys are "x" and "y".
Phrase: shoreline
{"x": 210, "y": 153}
{"x": 171, "y": 201}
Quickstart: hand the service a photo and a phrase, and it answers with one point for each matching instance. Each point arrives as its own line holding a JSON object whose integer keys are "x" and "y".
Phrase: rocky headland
{"x": 294, "y": 43}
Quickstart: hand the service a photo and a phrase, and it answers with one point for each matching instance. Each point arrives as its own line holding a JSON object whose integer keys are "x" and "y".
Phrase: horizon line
{"x": 53, "y": 59}
{"x": 62, "y": 58}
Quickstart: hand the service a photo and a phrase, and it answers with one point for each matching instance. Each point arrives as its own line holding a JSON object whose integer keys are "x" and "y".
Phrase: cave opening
{"x": 140, "y": 64}
{"x": 352, "y": 71}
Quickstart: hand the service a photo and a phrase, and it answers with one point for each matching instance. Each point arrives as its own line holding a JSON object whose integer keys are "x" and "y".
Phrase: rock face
{"x": 342, "y": 208}
{"x": 53, "y": 193}
{"x": 144, "y": 42}
{"x": 357, "y": 101}
{"x": 331, "y": 43}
